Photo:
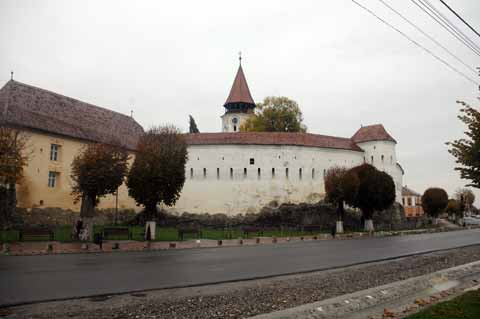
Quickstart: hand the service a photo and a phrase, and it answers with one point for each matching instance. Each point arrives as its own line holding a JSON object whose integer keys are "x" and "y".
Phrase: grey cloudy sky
{"x": 168, "y": 59}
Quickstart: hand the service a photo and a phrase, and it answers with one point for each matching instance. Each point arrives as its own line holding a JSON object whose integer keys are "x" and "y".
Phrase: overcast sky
{"x": 167, "y": 59}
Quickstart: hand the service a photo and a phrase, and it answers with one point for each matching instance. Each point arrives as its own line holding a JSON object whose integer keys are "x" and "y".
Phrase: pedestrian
{"x": 334, "y": 231}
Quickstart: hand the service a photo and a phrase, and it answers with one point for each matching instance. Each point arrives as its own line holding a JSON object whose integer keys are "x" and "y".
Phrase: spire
{"x": 239, "y": 97}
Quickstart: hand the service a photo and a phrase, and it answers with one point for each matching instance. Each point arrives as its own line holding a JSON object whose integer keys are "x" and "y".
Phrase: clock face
{"x": 234, "y": 120}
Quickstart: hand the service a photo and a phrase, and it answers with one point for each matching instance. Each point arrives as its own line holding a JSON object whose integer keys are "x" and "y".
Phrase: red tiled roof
{"x": 30, "y": 107}
{"x": 374, "y": 132}
{"x": 272, "y": 138}
{"x": 240, "y": 91}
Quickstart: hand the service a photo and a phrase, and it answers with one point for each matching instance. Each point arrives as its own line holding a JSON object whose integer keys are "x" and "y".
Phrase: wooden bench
{"x": 116, "y": 232}
{"x": 182, "y": 230}
{"x": 252, "y": 229}
{"x": 33, "y": 234}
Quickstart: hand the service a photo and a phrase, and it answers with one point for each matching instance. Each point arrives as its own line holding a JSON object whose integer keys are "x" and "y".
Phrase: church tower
{"x": 239, "y": 105}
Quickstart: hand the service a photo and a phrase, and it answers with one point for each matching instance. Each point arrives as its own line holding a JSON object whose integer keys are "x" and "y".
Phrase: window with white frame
{"x": 52, "y": 179}
{"x": 54, "y": 152}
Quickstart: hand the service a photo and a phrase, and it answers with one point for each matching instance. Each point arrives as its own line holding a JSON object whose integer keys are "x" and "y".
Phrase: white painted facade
{"x": 231, "y": 122}
{"x": 234, "y": 179}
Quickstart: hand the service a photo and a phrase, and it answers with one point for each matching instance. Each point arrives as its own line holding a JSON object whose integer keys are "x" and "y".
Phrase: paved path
{"x": 26, "y": 279}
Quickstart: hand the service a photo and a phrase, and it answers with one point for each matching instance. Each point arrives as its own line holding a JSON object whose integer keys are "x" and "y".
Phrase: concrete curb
{"x": 396, "y": 299}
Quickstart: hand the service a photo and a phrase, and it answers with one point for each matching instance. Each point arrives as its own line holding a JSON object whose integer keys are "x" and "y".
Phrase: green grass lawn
{"x": 466, "y": 306}
{"x": 63, "y": 233}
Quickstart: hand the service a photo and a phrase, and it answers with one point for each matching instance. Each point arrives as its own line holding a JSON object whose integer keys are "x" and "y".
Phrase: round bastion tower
{"x": 239, "y": 105}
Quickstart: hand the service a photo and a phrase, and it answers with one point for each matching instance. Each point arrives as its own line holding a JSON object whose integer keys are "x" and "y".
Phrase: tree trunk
{"x": 87, "y": 212}
{"x": 369, "y": 225}
{"x": 150, "y": 227}
{"x": 435, "y": 221}
{"x": 340, "y": 215}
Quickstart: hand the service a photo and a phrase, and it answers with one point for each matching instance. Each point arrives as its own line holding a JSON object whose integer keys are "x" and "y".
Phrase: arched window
{"x": 299, "y": 173}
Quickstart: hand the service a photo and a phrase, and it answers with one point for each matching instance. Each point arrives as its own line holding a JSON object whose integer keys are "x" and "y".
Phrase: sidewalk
{"x": 55, "y": 247}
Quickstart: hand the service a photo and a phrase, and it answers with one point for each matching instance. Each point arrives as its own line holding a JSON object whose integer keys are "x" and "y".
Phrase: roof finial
{"x": 11, "y": 75}
{"x": 240, "y": 57}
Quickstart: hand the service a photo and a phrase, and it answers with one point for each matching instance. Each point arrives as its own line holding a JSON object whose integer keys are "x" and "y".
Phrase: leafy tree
{"x": 453, "y": 208}
{"x": 275, "y": 114}
{"x": 338, "y": 186}
{"x": 376, "y": 192}
{"x": 98, "y": 170}
{"x": 467, "y": 150}
{"x": 465, "y": 197}
{"x": 158, "y": 172}
{"x": 14, "y": 156}
{"x": 434, "y": 201}
{"x": 193, "y": 125}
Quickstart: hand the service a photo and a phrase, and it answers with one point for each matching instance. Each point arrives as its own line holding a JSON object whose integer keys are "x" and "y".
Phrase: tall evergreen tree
{"x": 193, "y": 125}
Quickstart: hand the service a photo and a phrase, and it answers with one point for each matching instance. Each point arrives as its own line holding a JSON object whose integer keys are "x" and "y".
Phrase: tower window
{"x": 234, "y": 128}
{"x": 218, "y": 173}
{"x": 245, "y": 173}
{"x": 259, "y": 172}
{"x": 273, "y": 172}
{"x": 204, "y": 173}
{"x": 286, "y": 172}
{"x": 252, "y": 161}
{"x": 300, "y": 173}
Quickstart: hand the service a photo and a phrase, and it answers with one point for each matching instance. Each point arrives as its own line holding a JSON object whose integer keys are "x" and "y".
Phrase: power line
{"x": 451, "y": 24}
{"x": 458, "y": 16}
{"x": 446, "y": 27}
{"x": 417, "y": 44}
{"x": 428, "y": 36}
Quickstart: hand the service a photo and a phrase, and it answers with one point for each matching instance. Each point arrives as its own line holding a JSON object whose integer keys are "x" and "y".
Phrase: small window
{"x": 252, "y": 161}
{"x": 324, "y": 173}
{"x": 218, "y": 173}
{"x": 403, "y": 201}
{"x": 313, "y": 173}
{"x": 52, "y": 179}
{"x": 372, "y": 159}
{"x": 286, "y": 172}
{"x": 204, "y": 173}
{"x": 231, "y": 173}
{"x": 391, "y": 159}
{"x": 409, "y": 201}
{"x": 273, "y": 172}
{"x": 244, "y": 173}
{"x": 364, "y": 160}
{"x": 191, "y": 172}
{"x": 300, "y": 173}
{"x": 259, "y": 173}
{"x": 54, "y": 150}
{"x": 382, "y": 158}
{"x": 234, "y": 128}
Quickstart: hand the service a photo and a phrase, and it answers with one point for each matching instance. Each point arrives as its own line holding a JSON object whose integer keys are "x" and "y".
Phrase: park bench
{"x": 109, "y": 232}
{"x": 33, "y": 234}
{"x": 312, "y": 228}
{"x": 191, "y": 229}
{"x": 252, "y": 229}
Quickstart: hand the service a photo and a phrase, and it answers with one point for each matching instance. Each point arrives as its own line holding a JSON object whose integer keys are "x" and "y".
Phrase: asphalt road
{"x": 25, "y": 279}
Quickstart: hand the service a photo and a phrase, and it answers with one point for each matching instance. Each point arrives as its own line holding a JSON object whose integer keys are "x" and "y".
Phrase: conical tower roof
{"x": 239, "y": 97}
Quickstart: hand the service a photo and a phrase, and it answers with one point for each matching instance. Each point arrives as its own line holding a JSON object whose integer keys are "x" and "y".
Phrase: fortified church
{"x": 229, "y": 172}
